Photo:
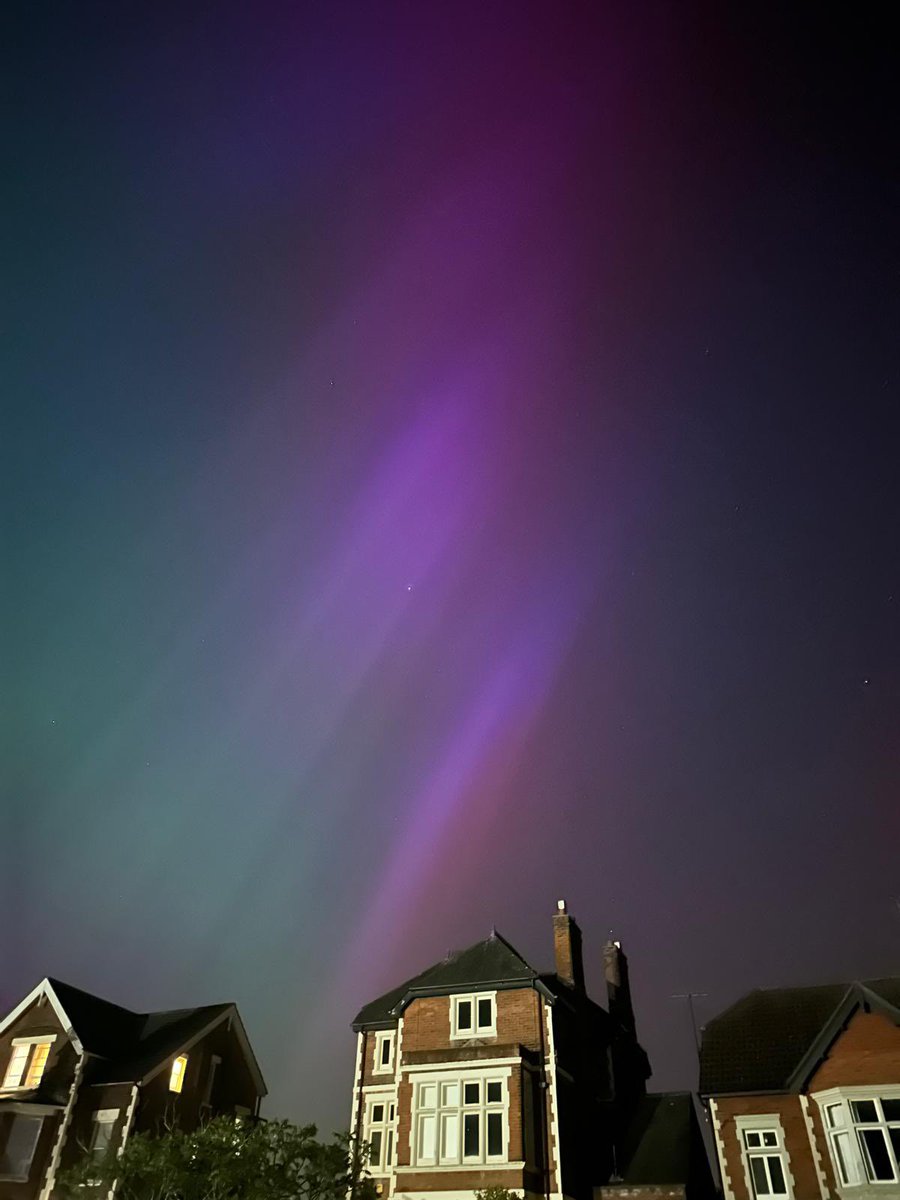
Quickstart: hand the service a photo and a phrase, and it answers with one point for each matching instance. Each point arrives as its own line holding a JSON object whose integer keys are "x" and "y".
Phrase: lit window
{"x": 473, "y": 1016}
{"x": 18, "y": 1138}
{"x": 16, "y": 1069}
{"x": 379, "y": 1134}
{"x": 384, "y": 1053}
{"x": 176, "y": 1079}
{"x": 765, "y": 1162}
{"x": 27, "y": 1062}
{"x": 460, "y": 1121}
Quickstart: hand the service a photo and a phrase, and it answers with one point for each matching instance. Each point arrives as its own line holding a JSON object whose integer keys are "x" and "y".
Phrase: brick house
{"x": 803, "y": 1088}
{"x": 481, "y": 1070}
{"x": 79, "y": 1073}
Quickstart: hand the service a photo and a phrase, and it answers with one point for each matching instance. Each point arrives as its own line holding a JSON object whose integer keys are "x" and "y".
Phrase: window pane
{"x": 776, "y": 1176}
{"x": 427, "y": 1127}
{"x": 495, "y": 1092}
{"x": 770, "y": 1139}
{"x": 863, "y": 1110}
{"x": 385, "y": 1051}
{"x": 375, "y": 1148}
{"x": 834, "y": 1115}
{"x": 427, "y": 1095}
{"x": 102, "y": 1137}
{"x": 846, "y": 1162}
{"x": 449, "y": 1095}
{"x": 38, "y": 1062}
{"x": 21, "y": 1140}
{"x": 752, "y": 1139}
{"x": 464, "y": 1014}
{"x": 485, "y": 1014}
{"x": 760, "y": 1178}
{"x": 876, "y": 1154}
{"x": 377, "y": 1112}
{"x": 471, "y": 1093}
{"x": 891, "y": 1110}
{"x": 389, "y": 1148}
{"x": 16, "y": 1068}
{"x": 450, "y": 1137}
{"x": 494, "y": 1134}
{"x": 471, "y": 1135}
{"x": 894, "y": 1135}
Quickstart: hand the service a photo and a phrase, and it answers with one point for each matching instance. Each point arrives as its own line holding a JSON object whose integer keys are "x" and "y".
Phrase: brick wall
{"x": 796, "y": 1139}
{"x": 426, "y": 1022}
{"x": 868, "y": 1051}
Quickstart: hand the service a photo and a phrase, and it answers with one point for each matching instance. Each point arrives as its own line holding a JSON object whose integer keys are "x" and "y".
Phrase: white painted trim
{"x": 494, "y": 1164}
{"x": 56, "y": 1154}
{"x": 487, "y": 1066}
{"x": 39, "y": 1039}
{"x": 814, "y": 1149}
{"x": 468, "y": 1035}
{"x": 357, "y": 1083}
{"x": 727, "y": 1189}
{"x": 764, "y": 1122}
{"x": 126, "y": 1133}
{"x": 45, "y": 989}
{"x": 554, "y": 1098}
{"x": 460, "y": 1064}
{"x": 382, "y": 1036}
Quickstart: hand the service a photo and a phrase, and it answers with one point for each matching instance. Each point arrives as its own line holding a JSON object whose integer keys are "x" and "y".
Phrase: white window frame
{"x": 476, "y": 1030}
{"x": 764, "y": 1123}
{"x": 382, "y": 1040}
{"x": 449, "y": 1109}
{"x": 103, "y": 1116}
{"x": 386, "y": 1126}
{"x": 30, "y": 1044}
{"x": 849, "y": 1126}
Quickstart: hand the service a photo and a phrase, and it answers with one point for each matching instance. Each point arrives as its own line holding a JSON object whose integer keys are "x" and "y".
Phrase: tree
{"x": 496, "y": 1193}
{"x": 226, "y": 1160}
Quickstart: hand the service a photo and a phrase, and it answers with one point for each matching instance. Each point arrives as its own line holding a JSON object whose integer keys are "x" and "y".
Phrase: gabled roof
{"x": 772, "y": 1041}
{"x": 660, "y": 1142}
{"x": 492, "y": 963}
{"x": 129, "y": 1046}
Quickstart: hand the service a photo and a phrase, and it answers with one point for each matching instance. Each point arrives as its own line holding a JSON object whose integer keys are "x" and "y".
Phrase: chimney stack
{"x": 567, "y": 948}
{"x": 618, "y": 989}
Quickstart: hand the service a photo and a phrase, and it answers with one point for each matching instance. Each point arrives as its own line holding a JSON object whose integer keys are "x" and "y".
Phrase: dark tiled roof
{"x": 657, "y": 1145}
{"x": 759, "y": 1043}
{"x": 486, "y": 964}
{"x": 130, "y": 1044}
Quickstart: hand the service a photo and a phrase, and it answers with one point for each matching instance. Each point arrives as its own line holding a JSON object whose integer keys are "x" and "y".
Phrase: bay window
{"x": 458, "y": 1121}
{"x": 863, "y": 1129}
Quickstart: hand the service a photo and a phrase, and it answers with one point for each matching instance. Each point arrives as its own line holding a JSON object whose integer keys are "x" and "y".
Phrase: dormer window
{"x": 384, "y": 1053}
{"x": 176, "y": 1079}
{"x": 28, "y": 1061}
{"x": 473, "y": 1016}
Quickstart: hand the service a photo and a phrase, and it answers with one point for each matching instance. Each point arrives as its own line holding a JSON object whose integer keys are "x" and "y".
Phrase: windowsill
{"x": 478, "y": 1035}
{"x": 491, "y": 1165}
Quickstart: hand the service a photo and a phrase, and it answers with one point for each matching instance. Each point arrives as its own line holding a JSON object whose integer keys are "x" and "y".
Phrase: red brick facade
{"x": 864, "y": 1055}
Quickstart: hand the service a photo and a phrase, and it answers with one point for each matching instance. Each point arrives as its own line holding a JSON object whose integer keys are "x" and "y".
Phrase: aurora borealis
{"x": 452, "y": 466}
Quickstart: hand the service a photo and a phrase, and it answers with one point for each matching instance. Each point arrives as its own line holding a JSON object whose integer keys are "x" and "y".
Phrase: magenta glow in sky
{"x": 451, "y": 470}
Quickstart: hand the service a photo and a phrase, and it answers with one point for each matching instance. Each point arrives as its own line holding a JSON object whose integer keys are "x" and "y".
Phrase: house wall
{"x": 426, "y": 1023}
{"x": 40, "y": 1018}
{"x": 868, "y": 1051}
{"x": 801, "y": 1163}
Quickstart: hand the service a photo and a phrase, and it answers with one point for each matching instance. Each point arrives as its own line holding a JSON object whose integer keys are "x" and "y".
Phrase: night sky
{"x": 451, "y": 463}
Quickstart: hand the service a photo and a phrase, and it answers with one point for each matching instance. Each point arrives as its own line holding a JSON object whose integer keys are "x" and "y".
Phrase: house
{"x": 803, "y": 1088}
{"x": 483, "y": 1071}
{"x": 79, "y": 1073}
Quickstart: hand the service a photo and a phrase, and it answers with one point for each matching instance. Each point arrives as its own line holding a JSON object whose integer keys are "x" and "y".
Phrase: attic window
{"x": 27, "y": 1061}
{"x": 176, "y": 1079}
{"x": 473, "y": 1016}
